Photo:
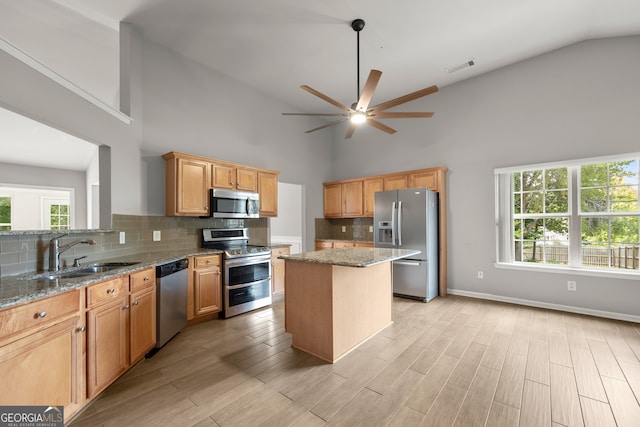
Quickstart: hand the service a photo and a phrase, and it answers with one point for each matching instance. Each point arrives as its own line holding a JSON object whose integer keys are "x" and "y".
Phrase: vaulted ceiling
{"x": 277, "y": 45}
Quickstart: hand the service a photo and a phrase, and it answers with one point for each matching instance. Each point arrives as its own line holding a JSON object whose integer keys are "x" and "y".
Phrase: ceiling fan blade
{"x": 400, "y": 115}
{"x": 326, "y": 98}
{"x": 367, "y": 91}
{"x": 382, "y": 127}
{"x": 313, "y": 114}
{"x": 405, "y": 98}
{"x": 351, "y": 130}
{"x": 327, "y": 125}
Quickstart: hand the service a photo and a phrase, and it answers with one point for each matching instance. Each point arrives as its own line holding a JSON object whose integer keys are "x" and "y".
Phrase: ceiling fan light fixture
{"x": 358, "y": 117}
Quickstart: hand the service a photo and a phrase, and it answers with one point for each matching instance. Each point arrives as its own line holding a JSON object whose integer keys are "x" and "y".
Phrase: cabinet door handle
{"x": 146, "y": 278}
{"x": 135, "y": 303}
{"x": 42, "y": 314}
{"x": 126, "y": 307}
{"x": 81, "y": 329}
{"x": 111, "y": 290}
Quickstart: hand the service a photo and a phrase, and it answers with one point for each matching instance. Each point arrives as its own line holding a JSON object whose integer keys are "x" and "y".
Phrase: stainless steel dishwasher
{"x": 171, "y": 300}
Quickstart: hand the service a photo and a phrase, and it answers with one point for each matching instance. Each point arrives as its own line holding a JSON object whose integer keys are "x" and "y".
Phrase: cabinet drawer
{"x": 142, "y": 279}
{"x": 206, "y": 261}
{"x": 106, "y": 291}
{"x": 275, "y": 253}
{"x": 38, "y": 313}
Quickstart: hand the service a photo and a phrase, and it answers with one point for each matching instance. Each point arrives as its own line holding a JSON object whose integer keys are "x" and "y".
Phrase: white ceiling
{"x": 277, "y": 45}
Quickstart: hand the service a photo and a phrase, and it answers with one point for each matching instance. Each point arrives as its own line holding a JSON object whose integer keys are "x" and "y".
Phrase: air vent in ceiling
{"x": 459, "y": 67}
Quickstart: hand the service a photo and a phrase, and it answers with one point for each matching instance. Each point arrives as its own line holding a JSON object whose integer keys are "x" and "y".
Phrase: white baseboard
{"x": 559, "y": 307}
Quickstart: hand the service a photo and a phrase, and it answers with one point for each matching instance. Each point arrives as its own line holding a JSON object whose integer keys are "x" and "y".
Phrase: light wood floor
{"x": 452, "y": 362}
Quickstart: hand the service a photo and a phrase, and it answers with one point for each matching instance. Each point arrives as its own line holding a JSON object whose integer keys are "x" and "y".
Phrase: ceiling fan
{"x": 360, "y": 112}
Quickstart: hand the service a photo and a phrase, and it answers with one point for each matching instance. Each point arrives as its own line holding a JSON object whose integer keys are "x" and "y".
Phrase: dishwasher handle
{"x": 171, "y": 267}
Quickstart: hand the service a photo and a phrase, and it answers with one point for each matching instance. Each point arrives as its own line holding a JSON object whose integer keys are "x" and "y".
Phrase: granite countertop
{"x": 351, "y": 257}
{"x": 31, "y": 286}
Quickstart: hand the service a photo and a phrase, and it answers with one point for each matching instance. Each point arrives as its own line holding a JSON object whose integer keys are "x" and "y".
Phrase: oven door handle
{"x": 244, "y": 285}
{"x": 251, "y": 260}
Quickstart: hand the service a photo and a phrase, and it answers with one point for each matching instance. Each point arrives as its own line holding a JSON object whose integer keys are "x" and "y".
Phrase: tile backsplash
{"x": 25, "y": 252}
{"x": 355, "y": 229}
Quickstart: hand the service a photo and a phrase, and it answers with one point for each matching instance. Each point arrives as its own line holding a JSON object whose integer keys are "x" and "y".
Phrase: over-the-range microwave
{"x": 234, "y": 204}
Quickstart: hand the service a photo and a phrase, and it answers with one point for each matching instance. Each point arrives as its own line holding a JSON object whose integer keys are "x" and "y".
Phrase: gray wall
{"x": 580, "y": 101}
{"x": 577, "y": 102}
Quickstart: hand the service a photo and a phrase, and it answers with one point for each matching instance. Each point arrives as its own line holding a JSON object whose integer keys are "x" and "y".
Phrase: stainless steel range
{"x": 246, "y": 269}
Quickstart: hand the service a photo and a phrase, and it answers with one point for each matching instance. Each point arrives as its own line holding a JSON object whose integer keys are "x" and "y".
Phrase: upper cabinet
{"x": 188, "y": 179}
{"x": 268, "y": 190}
{"x": 187, "y": 183}
{"x": 344, "y": 200}
{"x": 233, "y": 177}
{"x": 355, "y": 197}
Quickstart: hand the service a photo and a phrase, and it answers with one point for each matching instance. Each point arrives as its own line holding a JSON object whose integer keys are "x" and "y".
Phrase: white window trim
{"x": 504, "y": 235}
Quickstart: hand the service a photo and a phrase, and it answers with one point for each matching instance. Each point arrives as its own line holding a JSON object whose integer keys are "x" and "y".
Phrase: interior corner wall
{"x": 576, "y": 102}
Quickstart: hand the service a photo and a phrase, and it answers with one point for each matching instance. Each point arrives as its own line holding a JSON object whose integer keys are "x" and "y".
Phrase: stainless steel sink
{"x": 97, "y": 267}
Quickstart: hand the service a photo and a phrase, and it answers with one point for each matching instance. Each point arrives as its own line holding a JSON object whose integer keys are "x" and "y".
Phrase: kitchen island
{"x": 336, "y": 299}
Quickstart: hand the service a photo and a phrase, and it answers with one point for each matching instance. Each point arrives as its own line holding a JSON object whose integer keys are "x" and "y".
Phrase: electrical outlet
{"x": 344, "y": 229}
{"x": 371, "y": 229}
{"x": 480, "y": 275}
{"x": 571, "y": 285}
{"x": 122, "y": 240}
{"x": 157, "y": 235}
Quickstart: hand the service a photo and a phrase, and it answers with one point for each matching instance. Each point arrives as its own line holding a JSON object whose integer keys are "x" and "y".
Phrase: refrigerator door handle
{"x": 393, "y": 223}
{"x": 410, "y": 263}
{"x": 399, "y": 223}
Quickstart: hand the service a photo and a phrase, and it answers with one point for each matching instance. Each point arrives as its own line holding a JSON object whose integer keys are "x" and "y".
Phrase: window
{"x": 5, "y": 213}
{"x": 57, "y": 214}
{"x": 580, "y": 214}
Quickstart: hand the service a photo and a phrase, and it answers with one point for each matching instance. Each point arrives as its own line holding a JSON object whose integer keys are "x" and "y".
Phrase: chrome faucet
{"x": 55, "y": 250}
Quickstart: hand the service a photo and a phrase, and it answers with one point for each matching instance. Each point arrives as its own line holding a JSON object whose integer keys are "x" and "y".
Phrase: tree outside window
{"x": 5, "y": 213}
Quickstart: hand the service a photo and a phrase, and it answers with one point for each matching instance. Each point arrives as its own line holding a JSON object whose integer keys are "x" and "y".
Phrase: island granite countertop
{"x": 32, "y": 286}
{"x": 351, "y": 257}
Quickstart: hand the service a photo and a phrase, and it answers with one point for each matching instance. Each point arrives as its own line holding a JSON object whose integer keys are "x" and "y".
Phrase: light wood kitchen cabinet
{"x": 268, "y": 190}
{"x": 323, "y": 244}
{"x": 333, "y": 200}
{"x": 364, "y": 244}
{"x": 121, "y": 326}
{"x": 205, "y": 286}
{"x": 277, "y": 270}
{"x": 233, "y": 177}
{"x": 142, "y": 321}
{"x": 189, "y": 178}
{"x": 343, "y": 200}
{"x": 344, "y": 244}
{"x": 352, "y": 199}
{"x": 107, "y": 333}
{"x": 371, "y": 187}
{"x": 42, "y": 353}
{"x": 187, "y": 183}
{"x": 395, "y": 182}
{"x": 223, "y": 176}
{"x": 428, "y": 179}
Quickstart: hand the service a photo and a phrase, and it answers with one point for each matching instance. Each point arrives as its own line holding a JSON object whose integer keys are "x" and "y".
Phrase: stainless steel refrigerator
{"x": 408, "y": 219}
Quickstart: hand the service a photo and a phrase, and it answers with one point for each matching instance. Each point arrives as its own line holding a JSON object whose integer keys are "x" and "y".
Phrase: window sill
{"x": 628, "y": 274}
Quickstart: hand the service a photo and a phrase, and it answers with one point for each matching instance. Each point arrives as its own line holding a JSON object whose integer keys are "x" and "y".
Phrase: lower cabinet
{"x": 205, "y": 286}
{"x": 332, "y": 244}
{"x": 42, "y": 353}
{"x": 277, "y": 270}
{"x": 121, "y": 327}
